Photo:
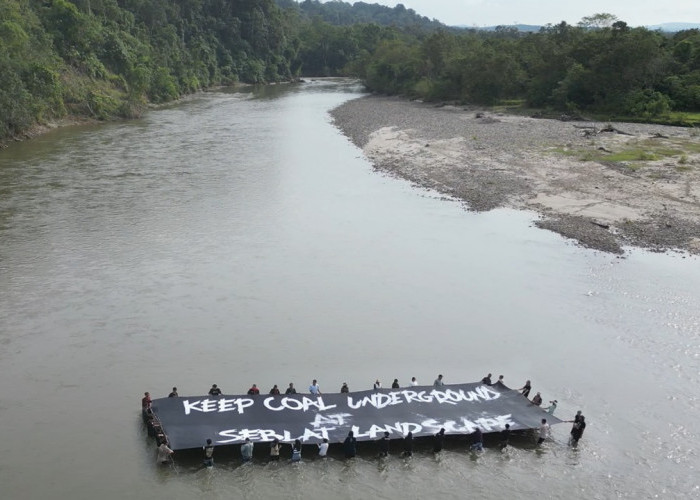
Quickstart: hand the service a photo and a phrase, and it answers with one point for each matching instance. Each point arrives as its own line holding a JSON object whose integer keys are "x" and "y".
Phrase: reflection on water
{"x": 238, "y": 238}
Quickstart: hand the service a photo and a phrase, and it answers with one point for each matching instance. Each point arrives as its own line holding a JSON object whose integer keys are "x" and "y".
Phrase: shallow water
{"x": 239, "y": 238}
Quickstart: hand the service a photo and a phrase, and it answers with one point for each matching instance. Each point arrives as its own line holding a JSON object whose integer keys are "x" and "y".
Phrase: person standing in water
{"x": 477, "y": 440}
{"x": 275, "y": 450}
{"x": 164, "y": 453}
{"x": 384, "y": 445}
{"x": 296, "y": 451}
{"x": 577, "y": 429}
{"x": 208, "y": 454}
{"x": 146, "y": 401}
{"x": 247, "y": 451}
{"x": 525, "y": 390}
{"x": 350, "y": 445}
{"x": 505, "y": 437}
{"x": 537, "y": 400}
{"x": 408, "y": 445}
{"x": 544, "y": 431}
{"x": 439, "y": 441}
{"x": 323, "y": 448}
{"x": 314, "y": 388}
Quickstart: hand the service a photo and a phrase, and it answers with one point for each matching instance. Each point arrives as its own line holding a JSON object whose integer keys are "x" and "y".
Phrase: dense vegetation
{"x": 610, "y": 69}
{"x": 107, "y": 58}
{"x": 340, "y": 13}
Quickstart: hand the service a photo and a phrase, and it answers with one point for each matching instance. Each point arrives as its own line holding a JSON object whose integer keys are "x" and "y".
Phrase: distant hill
{"x": 674, "y": 27}
{"x": 340, "y": 13}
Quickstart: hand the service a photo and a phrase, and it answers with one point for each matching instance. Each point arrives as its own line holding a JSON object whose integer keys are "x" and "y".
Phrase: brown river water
{"x": 238, "y": 238}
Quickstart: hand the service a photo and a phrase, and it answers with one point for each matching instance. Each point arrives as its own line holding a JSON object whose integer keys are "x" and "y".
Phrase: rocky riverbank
{"x": 604, "y": 185}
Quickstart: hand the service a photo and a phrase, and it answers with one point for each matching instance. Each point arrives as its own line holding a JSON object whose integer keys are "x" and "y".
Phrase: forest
{"x": 106, "y": 59}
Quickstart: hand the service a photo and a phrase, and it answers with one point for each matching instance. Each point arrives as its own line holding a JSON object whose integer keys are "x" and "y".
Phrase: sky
{"x": 541, "y": 12}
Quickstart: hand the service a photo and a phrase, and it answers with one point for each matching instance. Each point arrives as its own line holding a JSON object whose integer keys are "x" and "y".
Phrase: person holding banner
{"x": 577, "y": 430}
{"x": 525, "y": 390}
{"x": 275, "y": 450}
{"x": 208, "y": 454}
{"x": 296, "y": 451}
{"x": 505, "y": 437}
{"x": 290, "y": 389}
{"x": 323, "y": 448}
{"x": 477, "y": 440}
{"x": 164, "y": 453}
{"x": 408, "y": 445}
{"x": 350, "y": 445}
{"x": 439, "y": 441}
{"x": 146, "y": 401}
{"x": 537, "y": 400}
{"x": 247, "y": 451}
{"x": 314, "y": 388}
{"x": 384, "y": 445}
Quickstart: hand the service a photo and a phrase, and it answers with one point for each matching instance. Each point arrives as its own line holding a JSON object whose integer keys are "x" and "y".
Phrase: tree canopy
{"x": 109, "y": 58}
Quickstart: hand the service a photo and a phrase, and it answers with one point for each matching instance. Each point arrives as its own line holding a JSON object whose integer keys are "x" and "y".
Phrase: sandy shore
{"x": 588, "y": 184}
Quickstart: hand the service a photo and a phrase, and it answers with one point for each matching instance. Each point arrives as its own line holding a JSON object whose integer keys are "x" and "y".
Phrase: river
{"x": 238, "y": 238}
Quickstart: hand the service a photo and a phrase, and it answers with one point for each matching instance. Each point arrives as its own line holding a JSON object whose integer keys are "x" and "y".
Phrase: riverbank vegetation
{"x": 104, "y": 58}
{"x": 612, "y": 70}
{"x": 111, "y": 58}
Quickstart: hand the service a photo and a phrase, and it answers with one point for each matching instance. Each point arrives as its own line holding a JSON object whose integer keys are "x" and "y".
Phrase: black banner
{"x": 459, "y": 408}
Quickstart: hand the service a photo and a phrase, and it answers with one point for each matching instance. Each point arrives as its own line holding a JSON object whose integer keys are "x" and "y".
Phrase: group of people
{"x": 476, "y": 444}
{"x": 349, "y": 448}
{"x": 315, "y": 389}
{"x": 537, "y": 398}
{"x": 383, "y": 444}
{"x": 350, "y": 442}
